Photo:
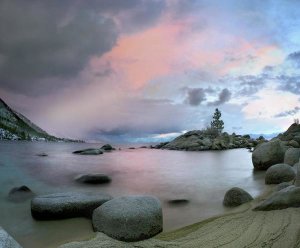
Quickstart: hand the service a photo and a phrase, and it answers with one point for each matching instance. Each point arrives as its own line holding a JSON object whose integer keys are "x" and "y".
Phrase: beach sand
{"x": 243, "y": 228}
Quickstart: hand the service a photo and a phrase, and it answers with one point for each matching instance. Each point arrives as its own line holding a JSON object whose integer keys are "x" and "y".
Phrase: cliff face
{"x": 15, "y": 126}
{"x": 200, "y": 141}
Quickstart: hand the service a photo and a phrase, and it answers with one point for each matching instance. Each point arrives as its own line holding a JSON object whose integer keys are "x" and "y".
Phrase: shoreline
{"x": 241, "y": 226}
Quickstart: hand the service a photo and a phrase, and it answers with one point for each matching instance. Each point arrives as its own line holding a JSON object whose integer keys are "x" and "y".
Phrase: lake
{"x": 201, "y": 177}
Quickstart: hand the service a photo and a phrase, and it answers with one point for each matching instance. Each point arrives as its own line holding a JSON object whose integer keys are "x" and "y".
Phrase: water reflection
{"x": 200, "y": 177}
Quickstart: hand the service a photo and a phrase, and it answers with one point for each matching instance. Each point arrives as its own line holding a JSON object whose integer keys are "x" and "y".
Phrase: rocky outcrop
{"x": 129, "y": 218}
{"x": 96, "y": 178}
{"x": 279, "y": 173}
{"x": 6, "y": 241}
{"x": 89, "y": 151}
{"x": 285, "y": 198}
{"x": 202, "y": 140}
{"x": 20, "y": 194}
{"x": 235, "y": 197}
{"x": 268, "y": 154}
{"x": 292, "y": 156}
{"x": 66, "y": 205}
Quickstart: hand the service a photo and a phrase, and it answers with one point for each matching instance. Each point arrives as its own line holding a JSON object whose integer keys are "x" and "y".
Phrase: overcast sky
{"x": 146, "y": 69}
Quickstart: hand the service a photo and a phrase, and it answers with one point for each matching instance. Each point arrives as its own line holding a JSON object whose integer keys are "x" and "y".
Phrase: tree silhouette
{"x": 217, "y": 123}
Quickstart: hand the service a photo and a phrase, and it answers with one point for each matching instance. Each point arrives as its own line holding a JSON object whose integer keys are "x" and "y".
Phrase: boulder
{"x": 292, "y": 156}
{"x": 268, "y": 154}
{"x": 282, "y": 186}
{"x": 129, "y": 218}
{"x": 107, "y": 147}
{"x": 43, "y": 154}
{"x": 20, "y": 194}
{"x": 279, "y": 173}
{"x": 66, "y": 205}
{"x": 235, "y": 197}
{"x": 6, "y": 241}
{"x": 293, "y": 143}
{"x": 178, "y": 202}
{"x": 96, "y": 178}
{"x": 89, "y": 151}
{"x": 285, "y": 198}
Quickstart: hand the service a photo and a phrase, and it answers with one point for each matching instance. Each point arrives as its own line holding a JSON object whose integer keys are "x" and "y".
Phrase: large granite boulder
{"x": 6, "y": 241}
{"x": 96, "y": 178}
{"x": 89, "y": 151}
{"x": 20, "y": 194}
{"x": 285, "y": 198}
{"x": 292, "y": 156}
{"x": 235, "y": 197}
{"x": 279, "y": 173}
{"x": 268, "y": 154}
{"x": 293, "y": 143}
{"x": 129, "y": 218}
{"x": 66, "y": 205}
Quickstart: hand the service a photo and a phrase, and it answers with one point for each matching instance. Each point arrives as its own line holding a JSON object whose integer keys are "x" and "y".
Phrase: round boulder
{"x": 294, "y": 143}
{"x": 279, "y": 173}
{"x": 20, "y": 194}
{"x": 292, "y": 156}
{"x": 235, "y": 197}
{"x": 107, "y": 147}
{"x": 129, "y": 218}
{"x": 96, "y": 178}
{"x": 66, "y": 205}
{"x": 268, "y": 154}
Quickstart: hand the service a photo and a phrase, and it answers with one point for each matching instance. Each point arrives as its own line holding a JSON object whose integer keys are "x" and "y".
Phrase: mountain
{"x": 15, "y": 126}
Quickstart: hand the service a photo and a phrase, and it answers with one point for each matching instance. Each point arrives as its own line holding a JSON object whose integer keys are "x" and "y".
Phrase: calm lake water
{"x": 201, "y": 177}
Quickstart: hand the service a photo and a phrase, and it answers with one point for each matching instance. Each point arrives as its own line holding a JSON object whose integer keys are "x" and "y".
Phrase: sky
{"x": 148, "y": 70}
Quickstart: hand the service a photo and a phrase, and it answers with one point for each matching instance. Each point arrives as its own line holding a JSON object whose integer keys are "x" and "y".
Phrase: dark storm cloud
{"x": 195, "y": 96}
{"x": 224, "y": 96}
{"x": 45, "y": 44}
{"x": 288, "y": 113}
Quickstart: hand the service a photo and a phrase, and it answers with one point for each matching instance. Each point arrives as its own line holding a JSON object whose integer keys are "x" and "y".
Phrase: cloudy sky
{"x": 139, "y": 70}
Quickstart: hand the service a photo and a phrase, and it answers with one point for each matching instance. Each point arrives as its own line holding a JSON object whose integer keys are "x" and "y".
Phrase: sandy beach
{"x": 242, "y": 228}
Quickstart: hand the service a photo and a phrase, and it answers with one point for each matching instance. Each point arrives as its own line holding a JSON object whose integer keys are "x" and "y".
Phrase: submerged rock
{"x": 268, "y": 154}
{"x": 107, "y": 147}
{"x": 6, "y": 241}
{"x": 66, "y": 205}
{"x": 129, "y": 218}
{"x": 89, "y": 151}
{"x": 178, "y": 202}
{"x": 292, "y": 156}
{"x": 96, "y": 178}
{"x": 285, "y": 198}
{"x": 235, "y": 197}
{"x": 43, "y": 154}
{"x": 279, "y": 173}
{"x": 20, "y": 194}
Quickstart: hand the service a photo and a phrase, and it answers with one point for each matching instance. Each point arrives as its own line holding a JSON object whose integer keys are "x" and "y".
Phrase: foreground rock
{"x": 66, "y": 205}
{"x": 279, "y": 173}
{"x": 285, "y": 198}
{"x": 96, "y": 178}
{"x": 20, "y": 194}
{"x": 89, "y": 151}
{"x": 235, "y": 197}
{"x": 6, "y": 241}
{"x": 276, "y": 229}
{"x": 203, "y": 140}
{"x": 268, "y": 154}
{"x": 129, "y": 218}
{"x": 292, "y": 156}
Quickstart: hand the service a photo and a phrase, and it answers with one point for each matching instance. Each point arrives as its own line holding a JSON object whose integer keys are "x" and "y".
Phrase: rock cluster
{"x": 198, "y": 140}
{"x": 95, "y": 151}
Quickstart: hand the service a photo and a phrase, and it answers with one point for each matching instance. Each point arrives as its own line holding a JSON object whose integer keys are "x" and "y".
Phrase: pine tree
{"x": 217, "y": 123}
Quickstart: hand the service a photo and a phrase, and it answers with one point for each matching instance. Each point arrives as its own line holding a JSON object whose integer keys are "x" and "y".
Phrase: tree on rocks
{"x": 217, "y": 123}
